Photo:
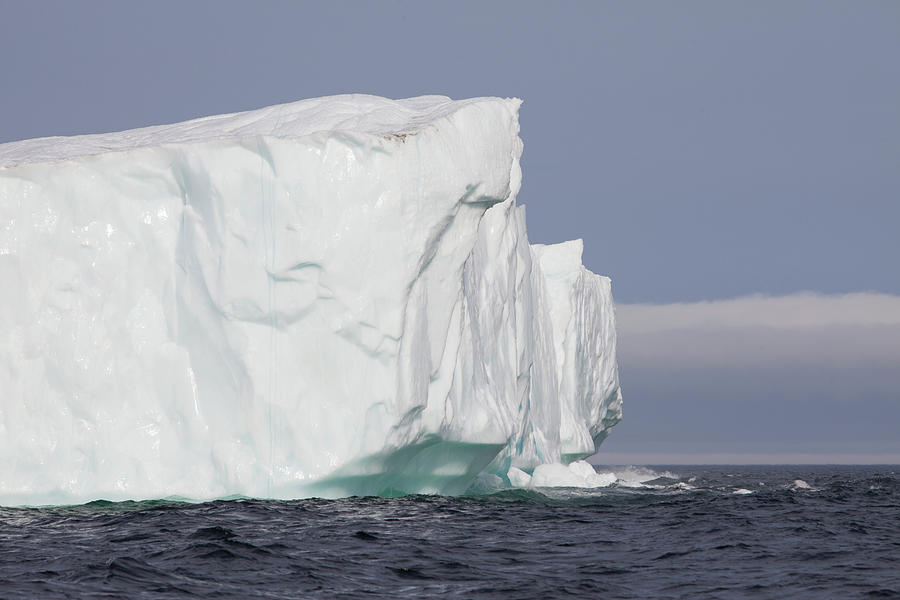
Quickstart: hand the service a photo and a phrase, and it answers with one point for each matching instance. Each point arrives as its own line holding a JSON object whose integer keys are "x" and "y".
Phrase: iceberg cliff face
{"x": 330, "y": 297}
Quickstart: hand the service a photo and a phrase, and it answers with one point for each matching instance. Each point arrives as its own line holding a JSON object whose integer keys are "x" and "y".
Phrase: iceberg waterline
{"x": 325, "y": 298}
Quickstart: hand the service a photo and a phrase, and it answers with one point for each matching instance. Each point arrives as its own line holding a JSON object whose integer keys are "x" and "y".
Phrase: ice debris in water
{"x": 576, "y": 474}
{"x": 330, "y": 297}
{"x": 581, "y": 474}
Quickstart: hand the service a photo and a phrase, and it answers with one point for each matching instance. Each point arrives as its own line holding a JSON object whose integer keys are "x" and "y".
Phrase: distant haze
{"x": 800, "y": 378}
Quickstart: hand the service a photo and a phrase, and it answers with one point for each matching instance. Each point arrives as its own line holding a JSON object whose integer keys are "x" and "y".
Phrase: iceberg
{"x": 330, "y": 297}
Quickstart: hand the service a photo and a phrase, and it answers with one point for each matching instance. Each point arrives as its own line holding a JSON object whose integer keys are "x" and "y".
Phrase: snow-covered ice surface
{"x": 325, "y": 298}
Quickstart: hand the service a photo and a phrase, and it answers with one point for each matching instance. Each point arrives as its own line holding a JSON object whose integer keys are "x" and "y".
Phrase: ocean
{"x": 660, "y": 532}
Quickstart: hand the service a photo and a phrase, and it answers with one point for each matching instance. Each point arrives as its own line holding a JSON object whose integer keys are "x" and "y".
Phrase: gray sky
{"x": 703, "y": 150}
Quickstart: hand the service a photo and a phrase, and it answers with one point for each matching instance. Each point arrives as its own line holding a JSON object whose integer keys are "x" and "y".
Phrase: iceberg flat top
{"x": 360, "y": 113}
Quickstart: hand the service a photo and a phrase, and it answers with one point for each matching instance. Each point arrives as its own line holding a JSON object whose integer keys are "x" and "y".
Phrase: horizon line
{"x": 739, "y": 459}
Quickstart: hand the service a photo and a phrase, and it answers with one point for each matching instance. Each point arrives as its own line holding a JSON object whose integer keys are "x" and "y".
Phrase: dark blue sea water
{"x": 689, "y": 532}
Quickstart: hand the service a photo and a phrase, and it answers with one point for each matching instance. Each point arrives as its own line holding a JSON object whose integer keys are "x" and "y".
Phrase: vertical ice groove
{"x": 268, "y": 228}
{"x": 330, "y": 297}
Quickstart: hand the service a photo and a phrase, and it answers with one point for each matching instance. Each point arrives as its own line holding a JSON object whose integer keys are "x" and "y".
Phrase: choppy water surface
{"x": 686, "y": 532}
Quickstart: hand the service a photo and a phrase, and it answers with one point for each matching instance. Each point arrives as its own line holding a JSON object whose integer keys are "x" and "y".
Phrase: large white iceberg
{"x": 324, "y": 298}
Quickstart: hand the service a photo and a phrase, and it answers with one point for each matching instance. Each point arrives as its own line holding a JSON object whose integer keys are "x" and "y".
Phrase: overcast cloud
{"x": 798, "y": 329}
